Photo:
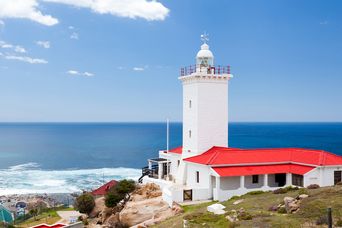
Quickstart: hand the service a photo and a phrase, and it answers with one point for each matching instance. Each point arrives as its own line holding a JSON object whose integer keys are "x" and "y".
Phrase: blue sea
{"x": 69, "y": 157}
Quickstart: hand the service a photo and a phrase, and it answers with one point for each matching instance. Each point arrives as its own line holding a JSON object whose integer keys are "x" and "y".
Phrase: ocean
{"x": 69, "y": 157}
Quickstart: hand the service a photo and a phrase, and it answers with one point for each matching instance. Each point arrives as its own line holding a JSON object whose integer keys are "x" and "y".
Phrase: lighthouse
{"x": 205, "y": 103}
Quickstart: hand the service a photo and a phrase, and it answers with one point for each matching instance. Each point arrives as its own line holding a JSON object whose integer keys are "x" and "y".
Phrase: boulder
{"x": 99, "y": 206}
{"x": 112, "y": 220}
{"x": 216, "y": 209}
{"x": 303, "y": 196}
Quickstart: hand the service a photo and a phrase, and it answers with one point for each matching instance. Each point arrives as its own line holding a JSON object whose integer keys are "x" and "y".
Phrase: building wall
{"x": 249, "y": 182}
{"x": 173, "y": 158}
{"x": 207, "y": 119}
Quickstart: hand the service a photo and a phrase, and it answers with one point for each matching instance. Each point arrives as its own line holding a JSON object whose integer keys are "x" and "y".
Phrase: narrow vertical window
{"x": 255, "y": 179}
{"x": 189, "y": 103}
{"x": 197, "y": 176}
{"x": 189, "y": 133}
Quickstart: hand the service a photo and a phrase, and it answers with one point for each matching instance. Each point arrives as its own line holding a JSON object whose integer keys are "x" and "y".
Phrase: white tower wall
{"x": 207, "y": 118}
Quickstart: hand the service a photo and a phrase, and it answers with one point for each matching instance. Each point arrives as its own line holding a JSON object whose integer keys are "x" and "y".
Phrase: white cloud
{"x": 76, "y": 72}
{"x": 44, "y": 44}
{"x": 149, "y": 10}
{"x": 2, "y": 23}
{"x": 88, "y": 74}
{"x": 71, "y": 27}
{"x": 138, "y": 68}
{"x": 74, "y": 36}
{"x": 26, "y": 59}
{"x": 19, "y": 49}
{"x": 29, "y": 9}
{"x": 16, "y": 48}
{"x": 25, "y": 9}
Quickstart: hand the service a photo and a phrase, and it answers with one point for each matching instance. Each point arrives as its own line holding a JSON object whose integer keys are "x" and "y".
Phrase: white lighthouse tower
{"x": 205, "y": 103}
{"x": 205, "y": 106}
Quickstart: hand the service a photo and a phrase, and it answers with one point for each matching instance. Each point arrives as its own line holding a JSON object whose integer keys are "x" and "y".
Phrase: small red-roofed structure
{"x": 101, "y": 191}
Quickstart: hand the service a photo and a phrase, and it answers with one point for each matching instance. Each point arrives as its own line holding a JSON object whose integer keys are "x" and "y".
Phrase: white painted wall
{"x": 207, "y": 118}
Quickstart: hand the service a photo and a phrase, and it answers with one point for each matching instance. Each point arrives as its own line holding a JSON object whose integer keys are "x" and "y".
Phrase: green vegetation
{"x": 85, "y": 203}
{"x": 119, "y": 192}
{"x": 257, "y": 207}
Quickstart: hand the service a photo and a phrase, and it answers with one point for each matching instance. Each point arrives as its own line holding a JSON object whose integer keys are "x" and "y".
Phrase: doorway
{"x": 337, "y": 177}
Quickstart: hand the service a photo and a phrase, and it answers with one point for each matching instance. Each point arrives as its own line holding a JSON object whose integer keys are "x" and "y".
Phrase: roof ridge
{"x": 213, "y": 157}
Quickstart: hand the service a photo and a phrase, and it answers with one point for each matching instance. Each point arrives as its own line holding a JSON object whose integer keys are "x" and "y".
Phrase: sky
{"x": 119, "y": 60}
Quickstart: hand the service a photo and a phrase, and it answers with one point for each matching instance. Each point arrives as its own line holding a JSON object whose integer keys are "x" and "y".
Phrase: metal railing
{"x": 217, "y": 70}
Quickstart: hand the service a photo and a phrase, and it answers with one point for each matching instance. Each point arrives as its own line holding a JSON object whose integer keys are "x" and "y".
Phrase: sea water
{"x": 69, "y": 157}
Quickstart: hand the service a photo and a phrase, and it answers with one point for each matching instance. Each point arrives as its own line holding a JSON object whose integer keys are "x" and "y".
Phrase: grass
{"x": 258, "y": 203}
{"x": 49, "y": 217}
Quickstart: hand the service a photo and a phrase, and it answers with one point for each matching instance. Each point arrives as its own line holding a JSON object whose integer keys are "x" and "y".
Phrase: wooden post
{"x": 330, "y": 225}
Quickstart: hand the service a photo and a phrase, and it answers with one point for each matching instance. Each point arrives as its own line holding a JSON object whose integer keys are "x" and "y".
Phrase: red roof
{"x": 261, "y": 169}
{"x": 177, "y": 150}
{"x": 230, "y": 156}
{"x": 58, "y": 225}
{"x": 104, "y": 188}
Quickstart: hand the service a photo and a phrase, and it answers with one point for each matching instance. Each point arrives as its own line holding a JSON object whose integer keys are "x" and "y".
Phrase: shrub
{"x": 313, "y": 186}
{"x": 118, "y": 193}
{"x": 282, "y": 210}
{"x": 279, "y": 191}
{"x": 255, "y": 192}
{"x": 302, "y": 191}
{"x": 234, "y": 198}
{"x": 85, "y": 203}
{"x": 85, "y": 222}
{"x": 125, "y": 186}
{"x": 112, "y": 199}
{"x": 323, "y": 220}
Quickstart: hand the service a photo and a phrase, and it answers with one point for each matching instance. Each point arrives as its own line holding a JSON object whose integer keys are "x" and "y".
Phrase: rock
{"x": 177, "y": 209}
{"x": 303, "y": 196}
{"x": 291, "y": 207}
{"x": 231, "y": 218}
{"x": 288, "y": 199}
{"x": 137, "y": 212}
{"x": 99, "y": 206}
{"x": 112, "y": 220}
{"x": 238, "y": 201}
{"x": 273, "y": 208}
{"x": 216, "y": 209}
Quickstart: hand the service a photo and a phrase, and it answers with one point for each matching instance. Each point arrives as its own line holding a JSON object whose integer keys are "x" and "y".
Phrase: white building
{"x": 206, "y": 168}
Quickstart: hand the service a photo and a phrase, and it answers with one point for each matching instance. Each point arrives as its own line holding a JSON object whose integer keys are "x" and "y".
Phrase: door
{"x": 187, "y": 195}
{"x": 337, "y": 177}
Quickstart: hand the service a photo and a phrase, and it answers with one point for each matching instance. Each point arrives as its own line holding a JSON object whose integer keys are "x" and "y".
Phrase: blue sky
{"x": 75, "y": 61}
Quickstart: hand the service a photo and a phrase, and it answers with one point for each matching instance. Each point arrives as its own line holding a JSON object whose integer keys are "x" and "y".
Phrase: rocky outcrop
{"x": 99, "y": 207}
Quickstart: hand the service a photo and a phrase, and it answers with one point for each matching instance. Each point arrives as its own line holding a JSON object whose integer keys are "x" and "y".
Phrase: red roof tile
{"x": 230, "y": 156}
{"x": 261, "y": 169}
{"x": 104, "y": 188}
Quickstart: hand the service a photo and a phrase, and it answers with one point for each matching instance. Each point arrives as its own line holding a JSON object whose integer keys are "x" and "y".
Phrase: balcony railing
{"x": 218, "y": 70}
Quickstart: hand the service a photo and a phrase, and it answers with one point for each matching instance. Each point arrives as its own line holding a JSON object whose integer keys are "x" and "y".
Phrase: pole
{"x": 167, "y": 145}
{"x": 329, "y": 218}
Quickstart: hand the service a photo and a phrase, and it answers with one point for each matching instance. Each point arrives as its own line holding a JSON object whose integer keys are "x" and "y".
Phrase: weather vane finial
{"x": 205, "y": 37}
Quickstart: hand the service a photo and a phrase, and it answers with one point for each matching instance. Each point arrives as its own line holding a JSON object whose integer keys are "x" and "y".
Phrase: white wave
{"x": 26, "y": 178}
{"x": 25, "y": 166}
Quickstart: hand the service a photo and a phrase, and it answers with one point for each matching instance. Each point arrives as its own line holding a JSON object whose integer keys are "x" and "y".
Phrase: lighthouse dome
{"x": 205, "y": 57}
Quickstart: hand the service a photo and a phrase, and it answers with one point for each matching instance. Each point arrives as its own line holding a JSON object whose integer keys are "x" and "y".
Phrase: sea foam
{"x": 29, "y": 178}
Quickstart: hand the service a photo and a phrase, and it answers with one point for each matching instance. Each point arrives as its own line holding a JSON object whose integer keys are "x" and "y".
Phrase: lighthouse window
{"x": 197, "y": 176}
{"x": 190, "y": 104}
{"x": 190, "y": 134}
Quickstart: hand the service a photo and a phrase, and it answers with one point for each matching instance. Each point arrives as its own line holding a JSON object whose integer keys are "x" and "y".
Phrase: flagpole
{"x": 167, "y": 146}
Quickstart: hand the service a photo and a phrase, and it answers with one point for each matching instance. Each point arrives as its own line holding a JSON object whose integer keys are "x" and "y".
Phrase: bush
{"x": 282, "y": 210}
{"x": 118, "y": 193}
{"x": 255, "y": 192}
{"x": 302, "y": 191}
{"x": 313, "y": 186}
{"x": 285, "y": 190}
{"x": 85, "y": 203}
{"x": 234, "y": 198}
{"x": 112, "y": 199}
{"x": 125, "y": 186}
